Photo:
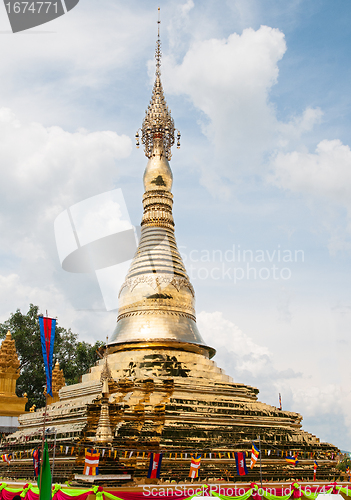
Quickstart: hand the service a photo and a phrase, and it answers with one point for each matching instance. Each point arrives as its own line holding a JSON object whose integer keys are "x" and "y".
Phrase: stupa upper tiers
{"x": 157, "y": 302}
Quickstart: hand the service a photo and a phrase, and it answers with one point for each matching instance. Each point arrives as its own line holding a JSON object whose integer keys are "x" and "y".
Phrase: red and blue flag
{"x": 36, "y": 462}
{"x": 240, "y": 462}
{"x": 155, "y": 465}
{"x": 47, "y": 335}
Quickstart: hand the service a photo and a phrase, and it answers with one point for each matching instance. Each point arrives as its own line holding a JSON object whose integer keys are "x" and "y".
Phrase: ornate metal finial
{"x": 158, "y": 53}
{"x": 158, "y": 125}
{"x": 105, "y": 375}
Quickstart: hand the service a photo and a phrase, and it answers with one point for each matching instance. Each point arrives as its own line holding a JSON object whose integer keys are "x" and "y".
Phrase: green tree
{"x": 344, "y": 464}
{"x": 75, "y": 357}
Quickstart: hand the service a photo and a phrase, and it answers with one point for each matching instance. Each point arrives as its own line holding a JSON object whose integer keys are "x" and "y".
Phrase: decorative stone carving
{"x": 156, "y": 281}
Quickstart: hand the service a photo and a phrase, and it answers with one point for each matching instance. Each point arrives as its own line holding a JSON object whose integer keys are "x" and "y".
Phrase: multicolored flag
{"x": 195, "y": 466}
{"x": 315, "y": 465}
{"x": 7, "y": 457}
{"x": 91, "y": 466}
{"x": 254, "y": 455}
{"x": 36, "y": 462}
{"x": 348, "y": 472}
{"x": 292, "y": 460}
{"x": 280, "y": 402}
{"x": 155, "y": 465}
{"x": 240, "y": 462}
{"x": 47, "y": 335}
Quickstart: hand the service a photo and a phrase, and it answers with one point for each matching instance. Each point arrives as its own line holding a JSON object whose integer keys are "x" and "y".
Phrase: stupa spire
{"x": 157, "y": 304}
{"x": 158, "y": 131}
{"x": 158, "y": 46}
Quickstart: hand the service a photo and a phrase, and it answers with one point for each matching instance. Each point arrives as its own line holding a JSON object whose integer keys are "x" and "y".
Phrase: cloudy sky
{"x": 260, "y": 92}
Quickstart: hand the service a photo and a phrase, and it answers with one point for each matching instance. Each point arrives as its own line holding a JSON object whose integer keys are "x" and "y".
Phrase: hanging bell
{"x": 178, "y": 139}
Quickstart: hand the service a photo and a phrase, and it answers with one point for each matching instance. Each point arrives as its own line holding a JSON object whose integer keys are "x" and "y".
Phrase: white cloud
{"x": 241, "y": 357}
{"x": 223, "y": 334}
{"x": 250, "y": 363}
{"x": 45, "y": 169}
{"x": 323, "y": 178}
{"x": 16, "y": 294}
{"x": 12, "y": 286}
{"x": 325, "y": 173}
{"x": 82, "y": 46}
{"x": 230, "y": 81}
{"x": 186, "y": 7}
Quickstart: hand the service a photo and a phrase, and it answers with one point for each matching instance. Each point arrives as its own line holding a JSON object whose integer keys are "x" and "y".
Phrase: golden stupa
{"x": 157, "y": 388}
{"x": 11, "y": 406}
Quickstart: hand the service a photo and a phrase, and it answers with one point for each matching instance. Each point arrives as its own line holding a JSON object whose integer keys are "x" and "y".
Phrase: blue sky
{"x": 260, "y": 93}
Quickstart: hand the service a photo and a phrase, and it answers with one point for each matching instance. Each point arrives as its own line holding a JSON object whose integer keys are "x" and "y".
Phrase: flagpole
{"x": 259, "y": 443}
{"x": 47, "y": 337}
{"x": 43, "y": 441}
{"x": 53, "y": 457}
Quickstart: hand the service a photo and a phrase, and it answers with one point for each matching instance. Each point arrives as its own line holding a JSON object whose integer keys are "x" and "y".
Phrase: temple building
{"x": 158, "y": 388}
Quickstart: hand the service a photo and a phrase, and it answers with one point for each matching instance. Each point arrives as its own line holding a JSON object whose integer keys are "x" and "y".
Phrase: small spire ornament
{"x": 103, "y": 432}
{"x": 158, "y": 124}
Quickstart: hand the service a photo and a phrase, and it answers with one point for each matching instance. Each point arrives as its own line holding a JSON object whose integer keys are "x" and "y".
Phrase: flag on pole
{"x": 47, "y": 335}
{"x": 195, "y": 465}
{"x": 45, "y": 476}
{"x": 7, "y": 457}
{"x": 155, "y": 465}
{"x": 240, "y": 462}
{"x": 315, "y": 465}
{"x": 280, "y": 402}
{"x": 292, "y": 459}
{"x": 348, "y": 472}
{"x": 254, "y": 455}
{"x": 36, "y": 462}
{"x": 91, "y": 466}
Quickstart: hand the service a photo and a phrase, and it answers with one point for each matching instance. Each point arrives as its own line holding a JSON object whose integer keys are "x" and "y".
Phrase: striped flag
{"x": 254, "y": 455}
{"x": 280, "y": 402}
{"x": 240, "y": 462}
{"x": 292, "y": 460}
{"x": 91, "y": 466}
{"x": 155, "y": 465}
{"x": 47, "y": 336}
{"x": 195, "y": 466}
{"x": 315, "y": 465}
{"x": 7, "y": 457}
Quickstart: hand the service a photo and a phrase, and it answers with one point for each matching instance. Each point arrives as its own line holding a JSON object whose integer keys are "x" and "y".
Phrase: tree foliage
{"x": 75, "y": 357}
{"x": 344, "y": 464}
